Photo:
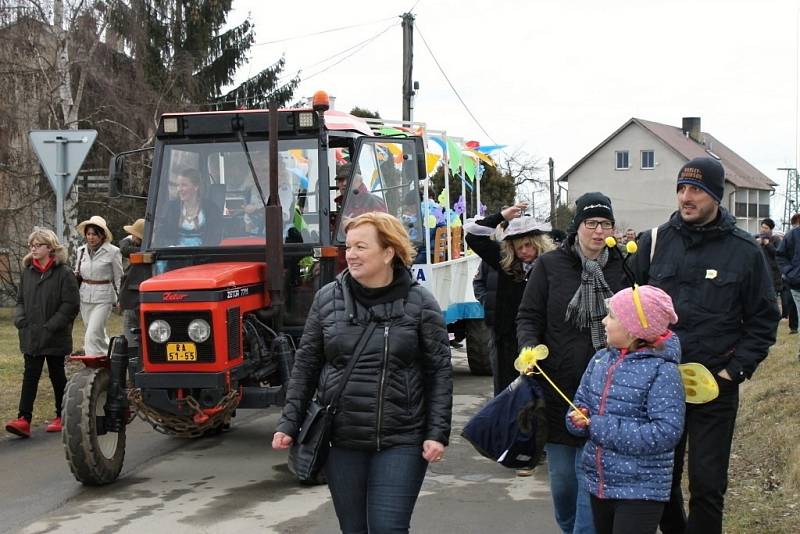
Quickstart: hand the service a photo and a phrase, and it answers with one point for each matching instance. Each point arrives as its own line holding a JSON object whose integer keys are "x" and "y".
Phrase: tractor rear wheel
{"x": 94, "y": 459}
{"x": 478, "y": 336}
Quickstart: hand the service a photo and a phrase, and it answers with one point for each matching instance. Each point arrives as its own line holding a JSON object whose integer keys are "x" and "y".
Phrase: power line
{"x": 322, "y": 32}
{"x": 364, "y": 42}
{"x": 474, "y": 118}
{"x": 360, "y": 46}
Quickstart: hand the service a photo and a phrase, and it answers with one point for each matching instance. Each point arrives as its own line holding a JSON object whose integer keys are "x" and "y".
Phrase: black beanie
{"x": 705, "y": 173}
{"x": 591, "y": 205}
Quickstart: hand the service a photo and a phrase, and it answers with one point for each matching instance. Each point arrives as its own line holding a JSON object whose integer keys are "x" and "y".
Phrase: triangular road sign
{"x": 61, "y": 153}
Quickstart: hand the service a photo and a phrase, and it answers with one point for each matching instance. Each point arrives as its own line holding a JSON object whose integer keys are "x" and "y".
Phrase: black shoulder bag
{"x": 310, "y": 450}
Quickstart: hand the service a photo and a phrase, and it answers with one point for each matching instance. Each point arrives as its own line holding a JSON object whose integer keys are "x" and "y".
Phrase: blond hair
{"x": 49, "y": 238}
{"x": 513, "y": 265}
{"x": 391, "y": 233}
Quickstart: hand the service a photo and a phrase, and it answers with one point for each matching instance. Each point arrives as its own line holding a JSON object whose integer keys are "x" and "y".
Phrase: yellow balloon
{"x": 530, "y": 355}
{"x": 631, "y": 247}
{"x": 698, "y": 383}
{"x": 611, "y": 242}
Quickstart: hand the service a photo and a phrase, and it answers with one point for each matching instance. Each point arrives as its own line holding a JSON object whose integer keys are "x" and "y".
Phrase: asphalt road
{"x": 236, "y": 482}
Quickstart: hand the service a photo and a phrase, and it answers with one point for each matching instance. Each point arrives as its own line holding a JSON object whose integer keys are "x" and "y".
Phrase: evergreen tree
{"x": 181, "y": 50}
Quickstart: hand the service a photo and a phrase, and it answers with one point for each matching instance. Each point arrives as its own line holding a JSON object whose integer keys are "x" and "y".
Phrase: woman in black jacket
{"x": 563, "y": 308}
{"x": 512, "y": 259}
{"x": 394, "y": 413}
{"x": 47, "y": 304}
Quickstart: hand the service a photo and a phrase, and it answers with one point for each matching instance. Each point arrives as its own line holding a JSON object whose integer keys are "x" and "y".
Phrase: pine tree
{"x": 182, "y": 51}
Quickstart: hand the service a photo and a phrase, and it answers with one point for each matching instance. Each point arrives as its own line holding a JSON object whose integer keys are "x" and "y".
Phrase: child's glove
{"x": 578, "y": 421}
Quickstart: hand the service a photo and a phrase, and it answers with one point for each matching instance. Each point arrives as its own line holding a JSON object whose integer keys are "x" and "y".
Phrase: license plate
{"x": 181, "y": 352}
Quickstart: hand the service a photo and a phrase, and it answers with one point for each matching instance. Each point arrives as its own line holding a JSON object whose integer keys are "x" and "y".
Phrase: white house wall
{"x": 641, "y": 198}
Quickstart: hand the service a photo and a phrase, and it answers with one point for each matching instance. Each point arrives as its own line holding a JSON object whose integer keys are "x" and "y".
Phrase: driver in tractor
{"x": 192, "y": 219}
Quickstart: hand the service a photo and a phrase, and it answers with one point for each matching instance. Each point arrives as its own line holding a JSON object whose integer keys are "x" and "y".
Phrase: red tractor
{"x": 243, "y": 225}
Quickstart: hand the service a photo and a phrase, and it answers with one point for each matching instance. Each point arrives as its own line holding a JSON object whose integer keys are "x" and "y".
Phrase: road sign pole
{"x": 61, "y": 153}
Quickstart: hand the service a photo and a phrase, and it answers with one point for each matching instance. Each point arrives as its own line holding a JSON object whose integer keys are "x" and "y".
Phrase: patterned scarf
{"x": 588, "y": 307}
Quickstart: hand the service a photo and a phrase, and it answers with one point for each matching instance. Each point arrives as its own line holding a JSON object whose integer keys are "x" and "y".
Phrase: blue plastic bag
{"x": 511, "y": 429}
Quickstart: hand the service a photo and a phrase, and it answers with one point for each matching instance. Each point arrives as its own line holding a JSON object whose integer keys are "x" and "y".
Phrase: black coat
{"x": 47, "y": 304}
{"x": 509, "y": 291}
{"x": 553, "y": 282}
{"x": 484, "y": 285}
{"x": 770, "y": 251}
{"x": 167, "y": 227}
{"x": 400, "y": 391}
{"x": 721, "y": 289}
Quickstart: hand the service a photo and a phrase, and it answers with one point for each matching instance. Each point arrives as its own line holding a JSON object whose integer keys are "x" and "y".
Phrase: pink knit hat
{"x": 647, "y": 319}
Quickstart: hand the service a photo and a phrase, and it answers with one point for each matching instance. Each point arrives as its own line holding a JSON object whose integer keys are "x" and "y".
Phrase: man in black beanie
{"x": 727, "y": 319}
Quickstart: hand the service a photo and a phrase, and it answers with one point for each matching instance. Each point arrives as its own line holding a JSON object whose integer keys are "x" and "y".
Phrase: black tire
{"x": 94, "y": 460}
{"x": 478, "y": 336}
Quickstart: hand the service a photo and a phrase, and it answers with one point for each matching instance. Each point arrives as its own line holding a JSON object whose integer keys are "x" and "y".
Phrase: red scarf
{"x": 43, "y": 268}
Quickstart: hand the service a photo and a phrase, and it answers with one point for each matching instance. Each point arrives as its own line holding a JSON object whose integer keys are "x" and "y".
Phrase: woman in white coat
{"x": 99, "y": 272}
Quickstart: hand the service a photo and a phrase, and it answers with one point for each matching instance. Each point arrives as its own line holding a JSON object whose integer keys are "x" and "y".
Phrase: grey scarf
{"x": 588, "y": 306}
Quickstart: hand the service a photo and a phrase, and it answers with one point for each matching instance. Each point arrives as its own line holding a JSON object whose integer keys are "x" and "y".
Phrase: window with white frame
{"x": 623, "y": 162}
{"x": 648, "y": 159}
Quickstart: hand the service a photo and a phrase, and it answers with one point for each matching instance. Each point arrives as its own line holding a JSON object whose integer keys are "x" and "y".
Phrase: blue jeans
{"x": 571, "y": 500}
{"x": 375, "y": 492}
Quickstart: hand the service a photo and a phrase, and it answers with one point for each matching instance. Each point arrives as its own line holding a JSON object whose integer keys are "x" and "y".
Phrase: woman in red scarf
{"x": 47, "y": 304}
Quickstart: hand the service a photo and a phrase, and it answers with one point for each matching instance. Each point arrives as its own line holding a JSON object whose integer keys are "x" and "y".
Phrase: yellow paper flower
{"x": 530, "y": 355}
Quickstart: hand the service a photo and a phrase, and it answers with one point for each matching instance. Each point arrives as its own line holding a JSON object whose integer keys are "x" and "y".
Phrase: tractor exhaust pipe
{"x": 117, "y": 401}
{"x": 274, "y": 220}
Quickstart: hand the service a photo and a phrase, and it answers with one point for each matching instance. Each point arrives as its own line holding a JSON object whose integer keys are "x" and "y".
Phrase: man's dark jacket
{"x": 400, "y": 391}
{"x": 553, "y": 282}
{"x": 47, "y": 304}
{"x": 721, "y": 289}
{"x": 788, "y": 258}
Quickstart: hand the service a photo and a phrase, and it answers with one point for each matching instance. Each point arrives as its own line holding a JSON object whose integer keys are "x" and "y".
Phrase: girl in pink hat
{"x": 632, "y": 403}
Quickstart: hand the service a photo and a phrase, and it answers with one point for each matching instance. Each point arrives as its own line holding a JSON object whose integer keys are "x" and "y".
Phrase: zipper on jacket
{"x": 382, "y": 382}
{"x": 598, "y": 453}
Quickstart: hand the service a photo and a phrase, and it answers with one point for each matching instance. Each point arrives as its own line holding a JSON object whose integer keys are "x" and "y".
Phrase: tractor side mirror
{"x": 129, "y": 173}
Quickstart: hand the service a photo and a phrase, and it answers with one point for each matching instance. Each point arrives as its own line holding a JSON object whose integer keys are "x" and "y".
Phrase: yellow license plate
{"x": 181, "y": 352}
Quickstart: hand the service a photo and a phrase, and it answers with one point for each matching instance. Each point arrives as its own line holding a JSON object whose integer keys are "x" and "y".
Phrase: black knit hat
{"x": 705, "y": 173}
{"x": 591, "y": 205}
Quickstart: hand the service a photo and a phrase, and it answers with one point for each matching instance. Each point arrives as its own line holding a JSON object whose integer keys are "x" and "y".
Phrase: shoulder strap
{"x": 653, "y": 239}
{"x": 362, "y": 341}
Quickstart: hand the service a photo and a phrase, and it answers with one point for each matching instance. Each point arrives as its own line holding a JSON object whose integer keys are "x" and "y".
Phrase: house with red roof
{"x": 637, "y": 166}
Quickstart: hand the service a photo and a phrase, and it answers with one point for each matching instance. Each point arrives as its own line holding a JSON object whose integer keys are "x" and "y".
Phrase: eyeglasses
{"x": 37, "y": 245}
{"x": 592, "y": 224}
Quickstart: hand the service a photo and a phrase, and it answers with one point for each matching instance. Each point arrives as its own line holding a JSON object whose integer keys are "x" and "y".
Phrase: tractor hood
{"x": 208, "y": 276}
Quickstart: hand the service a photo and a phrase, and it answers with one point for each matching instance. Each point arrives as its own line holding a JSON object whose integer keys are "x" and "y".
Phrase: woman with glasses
{"x": 99, "y": 271}
{"x": 563, "y": 308}
{"x": 47, "y": 303}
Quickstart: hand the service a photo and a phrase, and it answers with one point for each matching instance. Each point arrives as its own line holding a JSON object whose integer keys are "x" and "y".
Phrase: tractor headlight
{"x": 159, "y": 331}
{"x": 199, "y": 330}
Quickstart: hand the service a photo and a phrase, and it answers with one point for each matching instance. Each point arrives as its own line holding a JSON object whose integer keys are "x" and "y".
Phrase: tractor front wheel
{"x": 95, "y": 459}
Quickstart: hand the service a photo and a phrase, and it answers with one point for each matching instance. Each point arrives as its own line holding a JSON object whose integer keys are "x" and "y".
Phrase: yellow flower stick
{"x": 529, "y": 359}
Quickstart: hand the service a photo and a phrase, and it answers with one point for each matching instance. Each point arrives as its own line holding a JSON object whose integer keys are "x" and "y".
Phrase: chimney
{"x": 691, "y": 128}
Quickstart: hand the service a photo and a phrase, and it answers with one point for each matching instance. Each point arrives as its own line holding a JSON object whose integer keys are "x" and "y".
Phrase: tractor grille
{"x": 234, "y": 326}
{"x": 179, "y": 323}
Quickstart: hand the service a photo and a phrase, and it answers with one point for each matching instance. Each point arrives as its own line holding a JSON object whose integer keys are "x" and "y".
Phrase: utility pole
{"x": 792, "y": 204}
{"x": 408, "y": 61}
{"x": 551, "y": 166}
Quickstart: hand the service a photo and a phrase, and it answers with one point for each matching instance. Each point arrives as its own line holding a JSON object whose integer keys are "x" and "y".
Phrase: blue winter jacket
{"x": 636, "y": 407}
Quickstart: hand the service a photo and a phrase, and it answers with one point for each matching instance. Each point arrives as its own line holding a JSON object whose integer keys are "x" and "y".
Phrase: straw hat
{"x": 136, "y": 229}
{"x": 98, "y": 221}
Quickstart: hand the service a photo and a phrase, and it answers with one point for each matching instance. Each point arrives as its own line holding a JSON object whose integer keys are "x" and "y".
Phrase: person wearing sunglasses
{"x": 563, "y": 308}
{"x": 47, "y": 304}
